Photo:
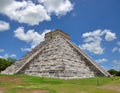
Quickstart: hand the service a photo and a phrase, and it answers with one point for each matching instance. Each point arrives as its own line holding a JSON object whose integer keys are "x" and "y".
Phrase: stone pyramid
{"x": 57, "y": 57}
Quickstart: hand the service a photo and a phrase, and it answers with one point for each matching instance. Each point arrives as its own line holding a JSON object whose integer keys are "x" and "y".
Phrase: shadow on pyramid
{"x": 57, "y": 57}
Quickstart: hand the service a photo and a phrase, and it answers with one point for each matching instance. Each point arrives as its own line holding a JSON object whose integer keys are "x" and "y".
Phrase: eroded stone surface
{"x": 57, "y": 57}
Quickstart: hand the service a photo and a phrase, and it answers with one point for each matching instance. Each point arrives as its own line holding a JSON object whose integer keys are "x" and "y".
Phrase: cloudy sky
{"x": 94, "y": 25}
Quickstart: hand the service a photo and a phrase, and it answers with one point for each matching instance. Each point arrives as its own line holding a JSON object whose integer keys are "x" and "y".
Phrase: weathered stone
{"x": 57, "y": 57}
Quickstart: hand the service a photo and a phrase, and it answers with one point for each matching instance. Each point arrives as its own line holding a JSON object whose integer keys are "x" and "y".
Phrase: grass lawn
{"x": 33, "y": 84}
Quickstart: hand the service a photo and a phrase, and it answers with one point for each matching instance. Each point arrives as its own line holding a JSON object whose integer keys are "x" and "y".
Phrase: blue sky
{"x": 93, "y": 25}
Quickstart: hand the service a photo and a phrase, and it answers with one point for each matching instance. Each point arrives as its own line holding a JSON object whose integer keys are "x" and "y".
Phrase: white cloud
{"x": 114, "y": 49}
{"x": 118, "y": 43}
{"x": 4, "y": 4}
{"x": 93, "y": 47}
{"x": 94, "y": 33}
{"x": 109, "y": 35}
{"x": 7, "y": 56}
{"x": 117, "y": 48}
{"x": 58, "y": 7}
{"x": 116, "y": 64}
{"x": 101, "y": 60}
{"x": 92, "y": 40}
{"x": 4, "y": 26}
{"x": 32, "y": 37}
{"x": 1, "y": 50}
{"x": 27, "y": 12}
{"x": 30, "y": 13}
{"x": 25, "y": 49}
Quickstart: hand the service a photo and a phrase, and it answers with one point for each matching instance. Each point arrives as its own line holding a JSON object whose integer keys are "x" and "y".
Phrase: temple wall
{"x": 56, "y": 57}
{"x": 59, "y": 59}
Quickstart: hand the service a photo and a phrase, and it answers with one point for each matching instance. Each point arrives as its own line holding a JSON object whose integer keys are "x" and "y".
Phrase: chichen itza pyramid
{"x": 57, "y": 57}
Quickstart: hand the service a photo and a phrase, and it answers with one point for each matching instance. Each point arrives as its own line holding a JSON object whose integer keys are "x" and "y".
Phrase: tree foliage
{"x": 114, "y": 72}
{"x": 4, "y": 63}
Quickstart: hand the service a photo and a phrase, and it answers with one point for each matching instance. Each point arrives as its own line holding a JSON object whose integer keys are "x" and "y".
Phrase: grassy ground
{"x": 32, "y": 84}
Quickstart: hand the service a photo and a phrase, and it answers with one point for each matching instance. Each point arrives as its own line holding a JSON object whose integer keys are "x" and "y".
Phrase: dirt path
{"x": 11, "y": 79}
{"x": 2, "y": 90}
{"x": 112, "y": 87}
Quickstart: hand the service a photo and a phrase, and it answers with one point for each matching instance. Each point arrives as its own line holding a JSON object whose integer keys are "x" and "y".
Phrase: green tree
{"x": 11, "y": 60}
{"x": 113, "y": 71}
{"x": 118, "y": 74}
{"x": 4, "y": 63}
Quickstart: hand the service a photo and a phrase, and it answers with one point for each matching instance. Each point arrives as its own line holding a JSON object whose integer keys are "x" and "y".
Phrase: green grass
{"x": 33, "y": 84}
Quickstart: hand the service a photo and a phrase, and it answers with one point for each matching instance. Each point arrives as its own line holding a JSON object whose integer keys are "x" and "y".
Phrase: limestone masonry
{"x": 57, "y": 57}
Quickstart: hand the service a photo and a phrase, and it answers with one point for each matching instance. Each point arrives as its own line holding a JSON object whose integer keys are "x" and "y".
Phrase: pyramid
{"x": 57, "y": 57}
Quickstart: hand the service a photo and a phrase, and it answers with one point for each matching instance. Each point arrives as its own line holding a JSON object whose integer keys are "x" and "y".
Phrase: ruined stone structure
{"x": 57, "y": 57}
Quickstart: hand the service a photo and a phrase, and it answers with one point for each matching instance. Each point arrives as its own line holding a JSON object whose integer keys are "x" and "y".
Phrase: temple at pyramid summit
{"x": 57, "y": 57}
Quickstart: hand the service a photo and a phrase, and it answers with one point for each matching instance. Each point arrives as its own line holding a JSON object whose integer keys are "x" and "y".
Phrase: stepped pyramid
{"x": 57, "y": 57}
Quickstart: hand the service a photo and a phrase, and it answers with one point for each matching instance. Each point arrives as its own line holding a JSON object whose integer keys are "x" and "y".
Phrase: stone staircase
{"x": 15, "y": 68}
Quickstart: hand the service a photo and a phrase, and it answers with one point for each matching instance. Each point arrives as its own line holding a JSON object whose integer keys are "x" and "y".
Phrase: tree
{"x": 114, "y": 72}
{"x": 118, "y": 74}
{"x": 11, "y": 60}
{"x": 4, "y": 63}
